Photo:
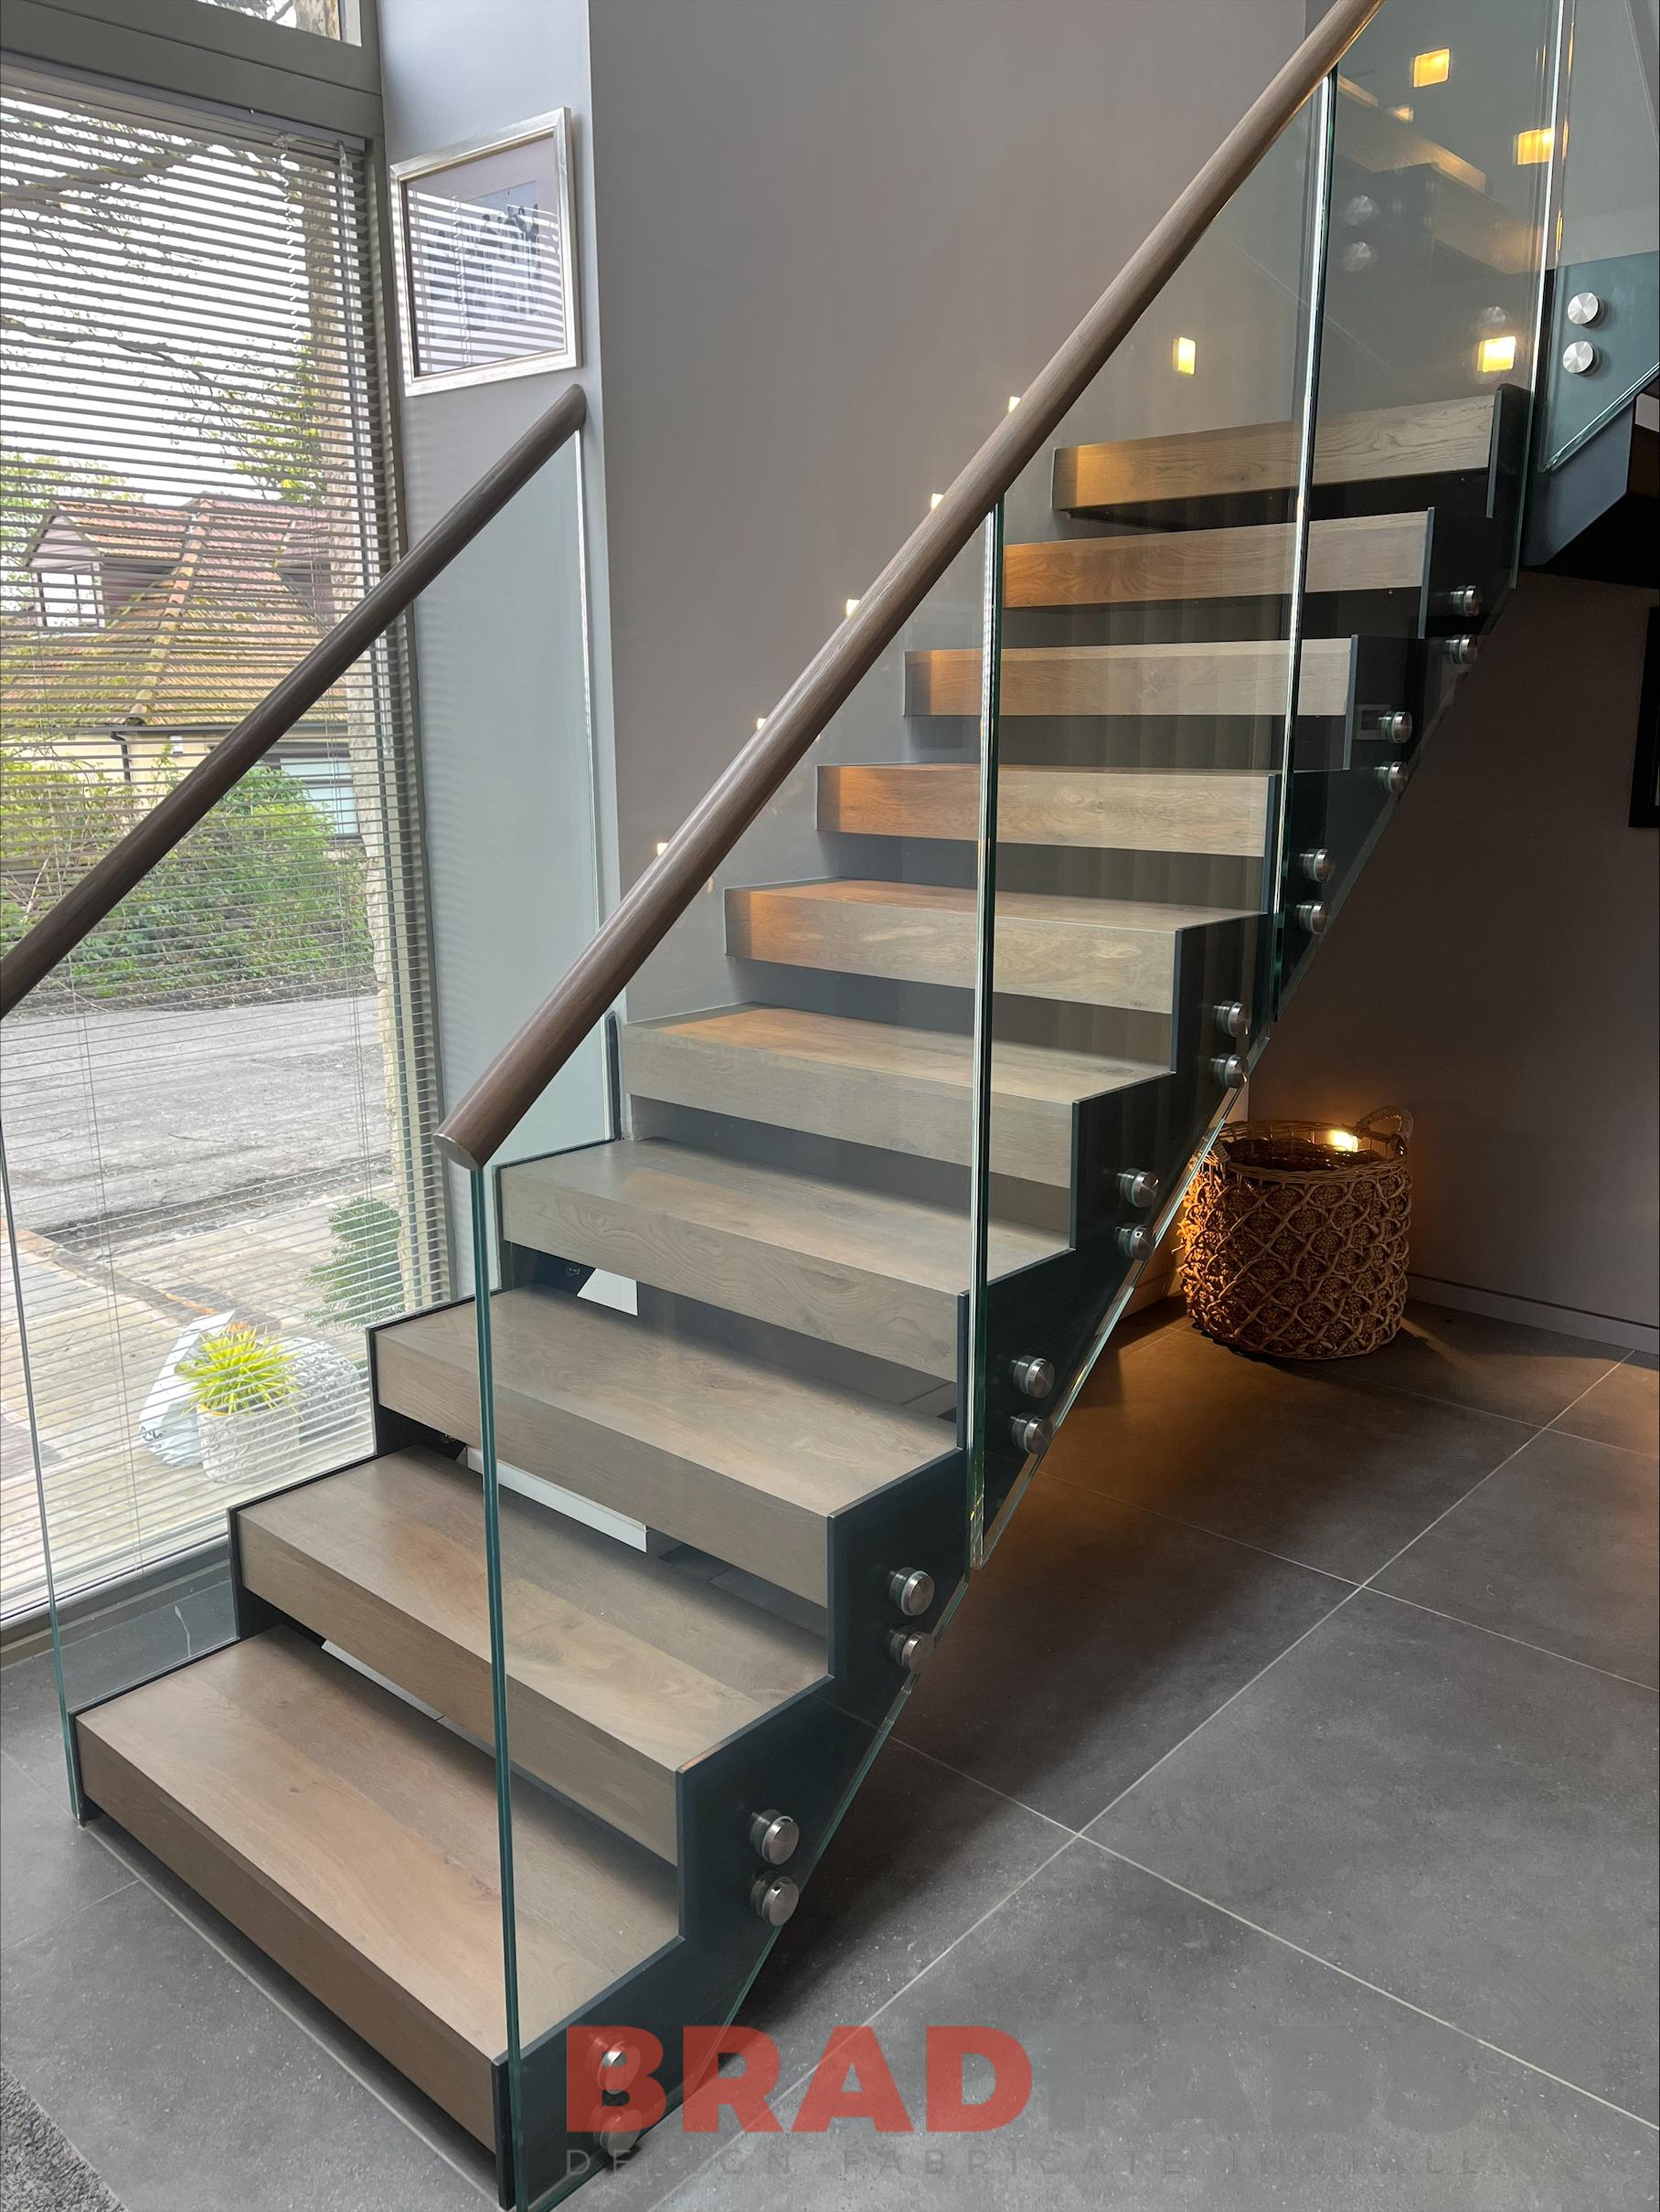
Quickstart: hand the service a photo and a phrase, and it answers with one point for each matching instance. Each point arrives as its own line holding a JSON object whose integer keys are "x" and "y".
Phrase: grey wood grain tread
{"x": 353, "y": 1840}
{"x": 621, "y": 1668}
{"x": 1140, "y": 810}
{"x": 874, "y": 1083}
{"x": 1427, "y": 438}
{"x": 724, "y": 1452}
{"x": 1241, "y": 677}
{"x": 1091, "y": 951}
{"x": 874, "y": 1273}
{"x": 1346, "y": 553}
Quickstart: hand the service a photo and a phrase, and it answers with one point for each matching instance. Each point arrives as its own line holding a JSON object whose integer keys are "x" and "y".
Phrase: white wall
{"x": 1496, "y": 971}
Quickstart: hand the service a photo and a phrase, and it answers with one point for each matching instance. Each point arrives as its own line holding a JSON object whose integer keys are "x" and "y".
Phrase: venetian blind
{"x": 217, "y": 1111}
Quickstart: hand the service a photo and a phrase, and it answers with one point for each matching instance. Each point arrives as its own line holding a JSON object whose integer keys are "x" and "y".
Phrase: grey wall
{"x": 833, "y": 237}
{"x": 1496, "y": 971}
{"x": 822, "y": 243}
{"x": 508, "y": 765}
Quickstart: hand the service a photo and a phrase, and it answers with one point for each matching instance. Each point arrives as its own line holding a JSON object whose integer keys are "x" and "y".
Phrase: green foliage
{"x": 257, "y": 902}
{"x": 277, "y": 431}
{"x": 237, "y": 1370}
{"x": 361, "y": 1281}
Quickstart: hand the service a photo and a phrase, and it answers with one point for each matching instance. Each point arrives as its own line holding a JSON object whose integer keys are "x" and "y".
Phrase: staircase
{"x": 752, "y": 1407}
{"x": 650, "y": 1697}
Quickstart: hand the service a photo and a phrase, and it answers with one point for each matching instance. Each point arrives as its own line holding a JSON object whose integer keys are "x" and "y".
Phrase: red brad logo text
{"x": 852, "y": 2080}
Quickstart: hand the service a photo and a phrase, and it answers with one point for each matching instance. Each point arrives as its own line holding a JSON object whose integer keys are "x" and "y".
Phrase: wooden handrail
{"x": 179, "y": 811}
{"x": 518, "y": 1075}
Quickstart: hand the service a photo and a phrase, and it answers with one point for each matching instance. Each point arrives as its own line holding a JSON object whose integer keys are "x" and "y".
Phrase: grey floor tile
{"x": 922, "y": 1853}
{"x": 1097, "y": 1637}
{"x": 1281, "y": 1457}
{"x": 30, "y": 1730}
{"x": 1495, "y": 1367}
{"x": 1466, "y": 1821}
{"x": 1183, "y": 2060}
{"x": 188, "y": 2090}
{"x": 1623, "y": 1408}
{"x": 1559, "y": 1548}
{"x": 53, "y": 1868}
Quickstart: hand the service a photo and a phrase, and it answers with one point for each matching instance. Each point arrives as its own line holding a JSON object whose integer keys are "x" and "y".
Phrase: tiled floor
{"x": 1287, "y": 1788}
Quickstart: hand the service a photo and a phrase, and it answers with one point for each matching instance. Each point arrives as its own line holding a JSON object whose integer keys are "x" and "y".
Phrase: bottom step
{"x": 355, "y": 1841}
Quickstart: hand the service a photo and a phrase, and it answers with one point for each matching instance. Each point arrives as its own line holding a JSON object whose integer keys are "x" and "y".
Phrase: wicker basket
{"x": 1295, "y": 1242}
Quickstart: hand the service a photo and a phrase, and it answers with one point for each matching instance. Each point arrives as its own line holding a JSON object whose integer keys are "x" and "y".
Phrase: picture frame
{"x": 484, "y": 248}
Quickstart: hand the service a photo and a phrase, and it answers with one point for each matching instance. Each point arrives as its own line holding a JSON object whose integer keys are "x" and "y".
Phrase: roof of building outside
{"x": 199, "y": 647}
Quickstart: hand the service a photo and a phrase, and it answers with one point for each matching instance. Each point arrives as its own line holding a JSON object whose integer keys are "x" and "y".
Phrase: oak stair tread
{"x": 1245, "y": 676}
{"x": 1347, "y": 553}
{"x": 1426, "y": 438}
{"x": 1089, "y": 952}
{"x": 1144, "y": 810}
{"x": 621, "y": 1668}
{"x": 724, "y": 1452}
{"x": 355, "y": 1841}
{"x": 874, "y": 1083}
{"x": 862, "y": 1269}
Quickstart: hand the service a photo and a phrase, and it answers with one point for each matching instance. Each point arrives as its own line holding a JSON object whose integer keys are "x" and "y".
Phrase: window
{"x": 326, "y": 780}
{"x": 69, "y": 599}
{"x": 218, "y": 1107}
{"x": 325, "y": 17}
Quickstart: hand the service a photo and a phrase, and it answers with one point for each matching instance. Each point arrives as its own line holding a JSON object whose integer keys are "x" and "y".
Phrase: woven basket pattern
{"x": 1294, "y": 1247}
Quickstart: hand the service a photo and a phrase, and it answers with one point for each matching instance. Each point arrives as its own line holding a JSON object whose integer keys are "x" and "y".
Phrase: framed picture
{"x": 486, "y": 267}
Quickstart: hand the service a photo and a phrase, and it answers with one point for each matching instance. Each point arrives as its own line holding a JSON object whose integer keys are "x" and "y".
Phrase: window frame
{"x": 204, "y": 53}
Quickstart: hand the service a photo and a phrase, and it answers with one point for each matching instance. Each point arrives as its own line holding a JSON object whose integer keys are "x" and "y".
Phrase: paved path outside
{"x": 132, "y": 1113}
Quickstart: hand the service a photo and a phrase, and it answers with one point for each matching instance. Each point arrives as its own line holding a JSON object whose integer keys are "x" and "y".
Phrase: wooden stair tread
{"x": 874, "y": 1083}
{"x": 1089, "y": 952}
{"x": 1465, "y": 215}
{"x": 1062, "y": 909}
{"x": 1222, "y": 676}
{"x": 724, "y": 1452}
{"x": 862, "y": 1269}
{"x": 1140, "y": 810}
{"x": 355, "y": 1840}
{"x": 621, "y": 1668}
{"x": 1349, "y": 553}
{"x": 1427, "y": 438}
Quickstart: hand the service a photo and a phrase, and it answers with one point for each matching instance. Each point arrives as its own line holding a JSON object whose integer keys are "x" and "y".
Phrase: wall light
{"x": 1495, "y": 356}
{"x": 1433, "y": 67}
{"x": 662, "y": 846}
{"x": 849, "y": 609}
{"x": 933, "y": 500}
{"x": 1185, "y": 354}
{"x": 1014, "y": 401}
{"x": 1405, "y": 113}
{"x": 1534, "y": 146}
{"x": 760, "y": 721}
